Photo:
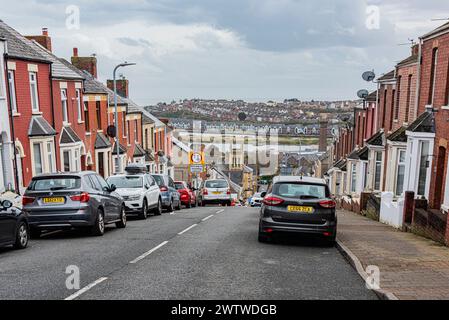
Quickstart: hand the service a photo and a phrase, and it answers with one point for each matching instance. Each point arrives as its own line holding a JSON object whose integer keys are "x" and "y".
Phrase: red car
{"x": 188, "y": 197}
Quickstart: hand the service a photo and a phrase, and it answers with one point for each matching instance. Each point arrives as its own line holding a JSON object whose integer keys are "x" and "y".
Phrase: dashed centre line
{"x": 207, "y": 218}
{"x": 86, "y": 288}
{"x": 189, "y": 228}
{"x": 220, "y": 211}
{"x": 146, "y": 254}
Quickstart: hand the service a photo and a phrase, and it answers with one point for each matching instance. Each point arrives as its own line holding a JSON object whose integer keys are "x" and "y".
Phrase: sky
{"x": 255, "y": 50}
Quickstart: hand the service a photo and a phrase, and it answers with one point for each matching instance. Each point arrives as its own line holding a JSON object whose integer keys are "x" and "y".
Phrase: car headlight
{"x": 133, "y": 198}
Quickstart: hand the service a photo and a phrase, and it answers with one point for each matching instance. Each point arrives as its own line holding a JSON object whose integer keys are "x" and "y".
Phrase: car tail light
{"x": 83, "y": 197}
{"x": 272, "y": 201}
{"x": 229, "y": 191}
{"x": 163, "y": 189}
{"x": 27, "y": 200}
{"x": 328, "y": 204}
{"x": 205, "y": 192}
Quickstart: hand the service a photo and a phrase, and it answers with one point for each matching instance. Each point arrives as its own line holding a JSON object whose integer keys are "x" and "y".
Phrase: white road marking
{"x": 207, "y": 218}
{"x": 220, "y": 211}
{"x": 184, "y": 231}
{"x": 85, "y": 289}
{"x": 172, "y": 213}
{"x": 146, "y": 254}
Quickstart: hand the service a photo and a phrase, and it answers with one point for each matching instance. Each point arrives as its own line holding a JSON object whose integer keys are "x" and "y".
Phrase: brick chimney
{"x": 43, "y": 39}
{"x": 122, "y": 87}
{"x": 323, "y": 132}
{"x": 415, "y": 50}
{"x": 88, "y": 64}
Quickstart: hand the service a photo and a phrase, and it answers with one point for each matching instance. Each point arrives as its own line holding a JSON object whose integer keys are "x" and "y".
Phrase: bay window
{"x": 353, "y": 177}
{"x": 423, "y": 166}
{"x": 38, "y": 165}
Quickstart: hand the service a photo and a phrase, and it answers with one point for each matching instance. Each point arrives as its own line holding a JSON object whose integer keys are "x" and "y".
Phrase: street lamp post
{"x": 117, "y": 141}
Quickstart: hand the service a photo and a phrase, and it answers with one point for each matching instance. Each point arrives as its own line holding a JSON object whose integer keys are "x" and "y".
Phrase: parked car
{"x": 14, "y": 229}
{"x": 215, "y": 192}
{"x": 72, "y": 200}
{"x": 298, "y": 205}
{"x": 188, "y": 197}
{"x": 256, "y": 200}
{"x": 170, "y": 196}
{"x": 140, "y": 193}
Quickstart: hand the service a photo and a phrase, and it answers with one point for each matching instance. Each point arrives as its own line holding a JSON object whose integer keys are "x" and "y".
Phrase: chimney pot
{"x": 75, "y": 52}
{"x": 45, "y": 32}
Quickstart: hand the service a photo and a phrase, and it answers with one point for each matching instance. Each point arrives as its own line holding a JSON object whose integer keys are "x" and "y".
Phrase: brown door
{"x": 439, "y": 179}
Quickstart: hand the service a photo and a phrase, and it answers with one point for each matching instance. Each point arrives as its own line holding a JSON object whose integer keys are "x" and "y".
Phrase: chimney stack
{"x": 88, "y": 64}
{"x": 122, "y": 86}
{"x": 415, "y": 50}
{"x": 43, "y": 39}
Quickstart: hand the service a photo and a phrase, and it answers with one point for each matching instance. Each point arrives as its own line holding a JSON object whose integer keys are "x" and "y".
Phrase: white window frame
{"x": 398, "y": 165}
{"x": 376, "y": 161}
{"x": 34, "y": 91}
{"x": 74, "y": 158}
{"x": 47, "y": 165}
{"x": 78, "y": 105}
{"x": 353, "y": 177}
{"x": 64, "y": 105}
{"x": 12, "y": 90}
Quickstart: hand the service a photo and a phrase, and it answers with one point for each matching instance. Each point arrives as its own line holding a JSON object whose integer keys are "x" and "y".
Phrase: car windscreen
{"x": 179, "y": 186}
{"x": 219, "y": 184}
{"x": 126, "y": 182}
{"x": 55, "y": 184}
{"x": 300, "y": 190}
{"x": 159, "y": 180}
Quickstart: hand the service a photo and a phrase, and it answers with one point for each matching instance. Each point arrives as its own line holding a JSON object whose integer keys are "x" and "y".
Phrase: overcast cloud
{"x": 237, "y": 49}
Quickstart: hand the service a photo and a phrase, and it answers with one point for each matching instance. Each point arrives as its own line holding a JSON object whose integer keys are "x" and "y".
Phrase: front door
{"x": 100, "y": 162}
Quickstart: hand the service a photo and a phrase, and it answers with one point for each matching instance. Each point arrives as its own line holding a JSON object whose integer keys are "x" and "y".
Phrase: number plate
{"x": 53, "y": 200}
{"x": 300, "y": 209}
{"x": 216, "y": 192}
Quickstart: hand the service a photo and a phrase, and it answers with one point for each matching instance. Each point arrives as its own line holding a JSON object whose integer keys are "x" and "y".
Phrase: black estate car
{"x": 72, "y": 200}
{"x": 298, "y": 205}
{"x": 13, "y": 226}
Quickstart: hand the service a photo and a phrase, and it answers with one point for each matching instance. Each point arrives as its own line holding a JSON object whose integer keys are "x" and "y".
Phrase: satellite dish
{"x": 369, "y": 76}
{"x": 363, "y": 94}
{"x": 111, "y": 131}
{"x": 242, "y": 116}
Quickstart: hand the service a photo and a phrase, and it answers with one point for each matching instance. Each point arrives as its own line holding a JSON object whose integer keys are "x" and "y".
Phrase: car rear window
{"x": 216, "y": 184}
{"x": 179, "y": 185}
{"x": 300, "y": 190}
{"x": 55, "y": 183}
{"x": 159, "y": 180}
{"x": 126, "y": 182}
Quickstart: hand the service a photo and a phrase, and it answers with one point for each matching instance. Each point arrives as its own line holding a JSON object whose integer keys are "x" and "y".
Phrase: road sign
{"x": 196, "y": 168}
{"x": 196, "y": 158}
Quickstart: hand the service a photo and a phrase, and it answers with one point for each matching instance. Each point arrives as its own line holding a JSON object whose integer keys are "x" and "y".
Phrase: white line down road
{"x": 185, "y": 230}
{"x": 207, "y": 218}
{"x": 146, "y": 254}
{"x": 85, "y": 289}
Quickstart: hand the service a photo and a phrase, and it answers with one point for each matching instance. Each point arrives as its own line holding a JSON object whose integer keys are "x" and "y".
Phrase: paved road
{"x": 202, "y": 253}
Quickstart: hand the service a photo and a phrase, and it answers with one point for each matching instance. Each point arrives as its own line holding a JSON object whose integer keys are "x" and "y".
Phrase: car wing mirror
{"x": 147, "y": 186}
{"x": 263, "y": 194}
{"x": 6, "y": 204}
{"x": 112, "y": 188}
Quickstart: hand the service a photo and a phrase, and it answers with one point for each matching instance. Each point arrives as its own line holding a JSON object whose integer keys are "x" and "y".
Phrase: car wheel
{"x": 122, "y": 223}
{"x": 170, "y": 207}
{"x": 22, "y": 236}
{"x": 98, "y": 228}
{"x": 35, "y": 233}
{"x": 264, "y": 238}
{"x": 158, "y": 210}
{"x": 144, "y": 214}
{"x": 179, "y": 206}
{"x": 189, "y": 204}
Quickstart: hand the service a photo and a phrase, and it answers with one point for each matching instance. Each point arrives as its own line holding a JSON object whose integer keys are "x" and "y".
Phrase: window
{"x": 66, "y": 160}
{"x": 409, "y": 97}
{"x": 50, "y": 156}
{"x": 384, "y": 113}
{"x": 135, "y": 130}
{"x": 59, "y": 183}
{"x": 38, "y": 165}
{"x": 423, "y": 165}
{"x": 300, "y": 191}
{"x": 34, "y": 92}
{"x": 98, "y": 111}
{"x": 400, "y": 177}
{"x": 126, "y": 182}
{"x": 365, "y": 175}
{"x": 433, "y": 76}
{"x": 447, "y": 86}
{"x": 353, "y": 177}
{"x": 65, "y": 112}
{"x": 86, "y": 116}
{"x": 377, "y": 171}
{"x": 146, "y": 145}
{"x": 398, "y": 98}
{"x": 393, "y": 95}
{"x": 12, "y": 90}
{"x": 76, "y": 158}
{"x": 152, "y": 138}
{"x": 128, "y": 135}
{"x": 124, "y": 125}
{"x": 78, "y": 105}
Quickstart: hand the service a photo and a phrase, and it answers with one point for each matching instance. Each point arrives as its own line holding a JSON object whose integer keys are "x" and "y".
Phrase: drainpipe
{"x": 418, "y": 80}
{"x": 11, "y": 120}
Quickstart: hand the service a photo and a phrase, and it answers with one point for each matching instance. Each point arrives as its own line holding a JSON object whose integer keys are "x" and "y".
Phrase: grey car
{"x": 298, "y": 205}
{"x": 72, "y": 200}
{"x": 170, "y": 197}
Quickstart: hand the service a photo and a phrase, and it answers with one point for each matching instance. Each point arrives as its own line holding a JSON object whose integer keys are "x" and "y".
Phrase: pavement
{"x": 411, "y": 267}
{"x": 199, "y": 253}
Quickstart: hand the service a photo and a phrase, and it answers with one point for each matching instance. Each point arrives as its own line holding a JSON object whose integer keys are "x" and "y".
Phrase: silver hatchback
{"x": 72, "y": 200}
